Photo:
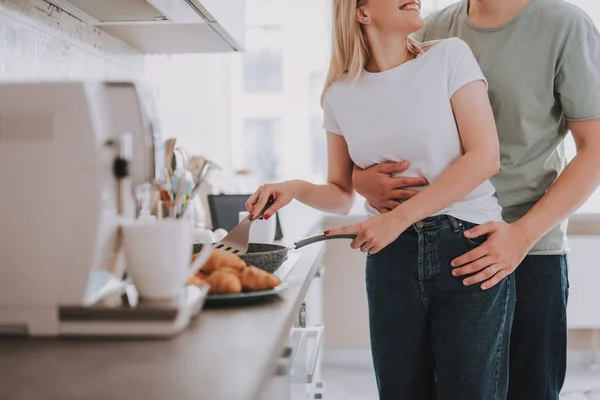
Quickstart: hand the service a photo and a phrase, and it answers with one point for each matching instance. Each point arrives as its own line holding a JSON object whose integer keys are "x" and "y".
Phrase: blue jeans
{"x": 422, "y": 319}
{"x": 538, "y": 347}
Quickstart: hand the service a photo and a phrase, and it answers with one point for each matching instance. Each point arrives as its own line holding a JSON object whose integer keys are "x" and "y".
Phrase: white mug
{"x": 262, "y": 230}
{"x": 159, "y": 257}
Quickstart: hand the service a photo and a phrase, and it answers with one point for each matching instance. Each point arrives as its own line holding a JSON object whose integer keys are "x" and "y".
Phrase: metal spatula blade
{"x": 237, "y": 240}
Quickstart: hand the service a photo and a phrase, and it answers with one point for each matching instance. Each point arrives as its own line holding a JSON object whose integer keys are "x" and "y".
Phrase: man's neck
{"x": 491, "y": 13}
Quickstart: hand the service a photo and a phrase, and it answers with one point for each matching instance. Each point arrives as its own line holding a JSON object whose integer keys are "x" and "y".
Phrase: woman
{"x": 388, "y": 97}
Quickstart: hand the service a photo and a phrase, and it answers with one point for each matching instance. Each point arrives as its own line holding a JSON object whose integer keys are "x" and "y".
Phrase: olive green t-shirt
{"x": 543, "y": 69}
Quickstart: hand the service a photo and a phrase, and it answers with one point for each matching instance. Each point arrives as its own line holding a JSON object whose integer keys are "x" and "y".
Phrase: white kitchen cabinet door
{"x": 229, "y": 15}
{"x": 583, "y": 309}
{"x": 167, "y": 26}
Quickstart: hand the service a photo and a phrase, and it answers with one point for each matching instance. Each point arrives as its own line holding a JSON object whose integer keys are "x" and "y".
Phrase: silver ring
{"x": 364, "y": 248}
{"x": 493, "y": 269}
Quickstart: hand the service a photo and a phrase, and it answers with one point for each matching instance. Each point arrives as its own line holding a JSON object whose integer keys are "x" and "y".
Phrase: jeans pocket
{"x": 475, "y": 242}
{"x": 478, "y": 241}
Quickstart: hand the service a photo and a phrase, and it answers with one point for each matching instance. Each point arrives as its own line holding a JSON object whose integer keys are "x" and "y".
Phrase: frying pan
{"x": 270, "y": 257}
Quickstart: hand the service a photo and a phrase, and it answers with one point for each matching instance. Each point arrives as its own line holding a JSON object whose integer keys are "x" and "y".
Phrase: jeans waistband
{"x": 437, "y": 222}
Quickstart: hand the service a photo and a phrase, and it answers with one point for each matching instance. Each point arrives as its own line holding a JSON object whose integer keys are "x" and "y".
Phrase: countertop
{"x": 225, "y": 354}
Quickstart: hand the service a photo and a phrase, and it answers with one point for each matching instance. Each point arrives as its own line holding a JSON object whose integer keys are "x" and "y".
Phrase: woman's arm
{"x": 475, "y": 120}
{"x": 336, "y": 196}
{"x": 481, "y": 159}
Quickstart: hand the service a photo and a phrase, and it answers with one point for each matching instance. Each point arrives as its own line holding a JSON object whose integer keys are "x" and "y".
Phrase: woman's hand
{"x": 281, "y": 194}
{"x": 374, "y": 234}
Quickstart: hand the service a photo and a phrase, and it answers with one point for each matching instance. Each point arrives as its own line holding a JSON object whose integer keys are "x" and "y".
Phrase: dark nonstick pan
{"x": 269, "y": 257}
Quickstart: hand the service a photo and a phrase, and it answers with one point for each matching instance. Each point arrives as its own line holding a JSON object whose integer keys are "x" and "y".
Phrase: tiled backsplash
{"x": 38, "y": 41}
{"x": 41, "y": 42}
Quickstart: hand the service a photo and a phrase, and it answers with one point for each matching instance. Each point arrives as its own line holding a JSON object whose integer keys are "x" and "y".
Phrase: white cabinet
{"x": 583, "y": 308}
{"x": 227, "y": 15}
{"x": 166, "y": 26}
{"x": 298, "y": 375}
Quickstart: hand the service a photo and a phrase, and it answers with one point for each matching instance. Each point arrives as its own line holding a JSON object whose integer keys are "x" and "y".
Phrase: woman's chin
{"x": 415, "y": 24}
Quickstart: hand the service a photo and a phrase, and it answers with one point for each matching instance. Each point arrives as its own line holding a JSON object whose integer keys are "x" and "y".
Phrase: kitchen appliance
{"x": 72, "y": 154}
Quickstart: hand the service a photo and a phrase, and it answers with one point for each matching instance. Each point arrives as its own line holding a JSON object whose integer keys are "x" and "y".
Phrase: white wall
{"x": 41, "y": 42}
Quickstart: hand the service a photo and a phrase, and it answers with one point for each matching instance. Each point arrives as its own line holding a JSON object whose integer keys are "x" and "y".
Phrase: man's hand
{"x": 381, "y": 189}
{"x": 499, "y": 256}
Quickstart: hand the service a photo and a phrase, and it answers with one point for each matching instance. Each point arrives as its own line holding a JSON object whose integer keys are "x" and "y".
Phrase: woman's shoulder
{"x": 338, "y": 86}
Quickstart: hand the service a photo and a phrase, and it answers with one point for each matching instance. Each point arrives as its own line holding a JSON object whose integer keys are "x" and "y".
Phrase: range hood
{"x": 166, "y": 26}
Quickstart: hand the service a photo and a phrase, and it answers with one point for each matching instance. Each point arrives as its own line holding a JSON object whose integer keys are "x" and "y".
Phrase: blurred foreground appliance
{"x": 70, "y": 156}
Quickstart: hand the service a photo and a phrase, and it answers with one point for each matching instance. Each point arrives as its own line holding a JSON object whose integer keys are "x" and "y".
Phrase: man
{"x": 542, "y": 61}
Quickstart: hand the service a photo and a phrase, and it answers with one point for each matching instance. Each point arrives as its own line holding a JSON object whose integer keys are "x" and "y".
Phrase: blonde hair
{"x": 350, "y": 51}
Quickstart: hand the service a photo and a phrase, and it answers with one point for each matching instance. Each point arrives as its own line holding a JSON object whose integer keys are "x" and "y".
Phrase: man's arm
{"x": 381, "y": 189}
{"x": 573, "y": 187}
{"x": 577, "y": 86}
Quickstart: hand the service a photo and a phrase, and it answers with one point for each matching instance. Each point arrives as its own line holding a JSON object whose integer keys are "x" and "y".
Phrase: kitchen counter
{"x": 584, "y": 224}
{"x": 225, "y": 354}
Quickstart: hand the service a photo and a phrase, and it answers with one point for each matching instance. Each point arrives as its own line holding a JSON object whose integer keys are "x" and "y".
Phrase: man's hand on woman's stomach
{"x": 382, "y": 190}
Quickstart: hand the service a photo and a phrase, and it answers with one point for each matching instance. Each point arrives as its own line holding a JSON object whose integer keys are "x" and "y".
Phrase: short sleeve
{"x": 329, "y": 122}
{"x": 462, "y": 66}
{"x": 577, "y": 82}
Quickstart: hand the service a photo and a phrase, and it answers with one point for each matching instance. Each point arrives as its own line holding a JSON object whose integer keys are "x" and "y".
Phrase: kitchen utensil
{"x": 195, "y": 165}
{"x": 184, "y": 184}
{"x": 217, "y": 299}
{"x": 269, "y": 257}
{"x": 262, "y": 230}
{"x": 177, "y": 175}
{"x": 169, "y": 148}
{"x": 170, "y": 145}
{"x": 198, "y": 176}
{"x": 202, "y": 174}
{"x": 158, "y": 257}
{"x": 179, "y": 161}
{"x": 185, "y": 157}
{"x": 237, "y": 240}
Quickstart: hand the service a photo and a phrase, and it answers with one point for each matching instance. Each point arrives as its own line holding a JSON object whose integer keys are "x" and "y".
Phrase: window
{"x": 260, "y": 147}
{"x": 275, "y": 88}
{"x": 318, "y": 137}
{"x": 263, "y": 61}
{"x": 318, "y": 148}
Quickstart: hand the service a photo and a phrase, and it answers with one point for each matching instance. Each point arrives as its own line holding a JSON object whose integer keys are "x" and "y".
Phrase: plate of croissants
{"x": 231, "y": 280}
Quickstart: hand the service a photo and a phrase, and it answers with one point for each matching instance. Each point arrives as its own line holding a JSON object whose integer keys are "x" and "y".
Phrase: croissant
{"x": 219, "y": 259}
{"x": 197, "y": 280}
{"x": 224, "y": 281}
{"x": 253, "y": 278}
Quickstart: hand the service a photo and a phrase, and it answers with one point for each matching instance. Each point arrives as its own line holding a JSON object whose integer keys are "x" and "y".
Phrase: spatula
{"x": 237, "y": 240}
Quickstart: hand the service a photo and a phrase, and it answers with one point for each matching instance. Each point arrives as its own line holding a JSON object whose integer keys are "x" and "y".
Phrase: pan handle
{"x": 319, "y": 238}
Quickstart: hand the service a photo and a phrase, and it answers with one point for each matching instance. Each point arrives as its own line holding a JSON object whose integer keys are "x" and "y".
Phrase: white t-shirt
{"x": 405, "y": 114}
